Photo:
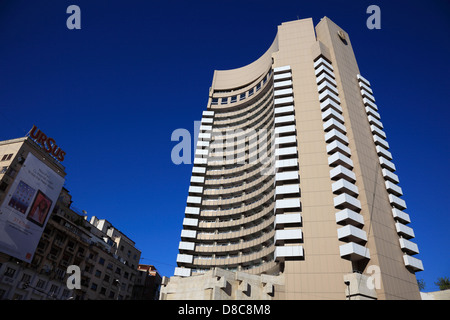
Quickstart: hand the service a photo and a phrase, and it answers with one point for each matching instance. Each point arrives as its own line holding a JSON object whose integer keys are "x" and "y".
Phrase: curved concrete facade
{"x": 292, "y": 176}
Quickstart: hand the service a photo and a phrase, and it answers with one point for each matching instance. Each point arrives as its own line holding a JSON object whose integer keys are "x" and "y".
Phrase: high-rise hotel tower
{"x": 293, "y": 178}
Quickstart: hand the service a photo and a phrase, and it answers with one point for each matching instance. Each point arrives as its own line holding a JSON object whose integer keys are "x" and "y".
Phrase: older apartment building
{"x": 293, "y": 189}
{"x": 107, "y": 259}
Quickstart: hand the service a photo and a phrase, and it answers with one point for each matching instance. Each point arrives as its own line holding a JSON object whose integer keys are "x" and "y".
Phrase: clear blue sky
{"x": 112, "y": 93}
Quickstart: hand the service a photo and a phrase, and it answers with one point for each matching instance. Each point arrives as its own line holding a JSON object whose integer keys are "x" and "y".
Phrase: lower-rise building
{"x": 65, "y": 240}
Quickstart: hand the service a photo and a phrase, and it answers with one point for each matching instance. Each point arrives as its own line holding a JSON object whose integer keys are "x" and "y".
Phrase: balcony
{"x": 380, "y": 142}
{"x": 339, "y": 159}
{"x": 207, "y": 120}
{"x": 362, "y": 85}
{"x": 186, "y": 246}
{"x": 345, "y": 201}
{"x": 288, "y": 219}
{"x": 343, "y": 186}
{"x": 375, "y": 122}
{"x": 197, "y": 179}
{"x": 377, "y": 131}
{"x": 330, "y": 104}
{"x": 283, "y": 101}
{"x": 393, "y": 188}
{"x": 336, "y": 146}
{"x": 208, "y": 113}
{"x": 185, "y": 258}
{"x": 354, "y": 252}
{"x": 408, "y": 247}
{"x": 190, "y": 222}
{"x": 365, "y": 93}
{"x": 188, "y": 234}
{"x": 287, "y": 163}
{"x": 329, "y": 94}
{"x": 285, "y": 151}
{"x": 396, "y": 202}
{"x": 288, "y": 253}
{"x": 286, "y": 140}
{"x": 324, "y": 69}
{"x": 386, "y": 164}
{"x": 192, "y": 210}
{"x": 369, "y": 103}
{"x": 322, "y": 61}
{"x": 289, "y": 203}
{"x": 373, "y": 113}
{"x": 287, "y": 189}
{"x": 388, "y": 175}
{"x": 383, "y": 153}
{"x": 282, "y": 92}
{"x": 285, "y": 176}
{"x": 351, "y": 233}
{"x": 412, "y": 263}
{"x": 195, "y": 189}
{"x": 350, "y": 217}
{"x": 333, "y": 124}
{"x": 182, "y": 272}
{"x": 327, "y": 85}
{"x": 284, "y": 120}
{"x": 194, "y": 200}
{"x": 404, "y": 231}
{"x": 334, "y": 135}
{"x": 284, "y": 129}
{"x": 282, "y": 76}
{"x": 282, "y": 84}
{"x": 288, "y": 236}
{"x": 341, "y": 172}
{"x": 332, "y": 114}
{"x": 284, "y": 110}
{"x": 362, "y": 79}
{"x": 200, "y": 161}
{"x": 401, "y": 216}
{"x": 282, "y": 69}
{"x": 325, "y": 77}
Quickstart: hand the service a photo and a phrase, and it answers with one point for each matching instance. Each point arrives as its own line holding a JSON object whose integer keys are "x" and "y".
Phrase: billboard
{"x": 26, "y": 208}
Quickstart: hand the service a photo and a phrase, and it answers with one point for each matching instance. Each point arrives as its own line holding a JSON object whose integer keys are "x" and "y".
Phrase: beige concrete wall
{"x": 320, "y": 274}
{"x": 397, "y": 282}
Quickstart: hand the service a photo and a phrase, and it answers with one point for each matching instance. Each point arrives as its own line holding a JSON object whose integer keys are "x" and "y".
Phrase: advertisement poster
{"x": 27, "y": 207}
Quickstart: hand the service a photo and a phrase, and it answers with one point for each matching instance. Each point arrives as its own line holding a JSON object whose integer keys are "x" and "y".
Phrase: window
{"x": 102, "y": 290}
{"x": 258, "y": 86}
{"x": 250, "y": 92}
{"x": 215, "y": 101}
{"x": 53, "y": 289}
{"x": 224, "y": 100}
{"x": 101, "y": 261}
{"x": 242, "y": 96}
{"x": 98, "y": 273}
{"x": 40, "y": 284}
{"x": 94, "y": 286}
{"x": 10, "y": 272}
{"x": 111, "y": 295}
{"x": 7, "y": 157}
{"x": 3, "y": 186}
{"x": 233, "y": 99}
{"x": 26, "y": 278}
{"x": 4, "y": 168}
